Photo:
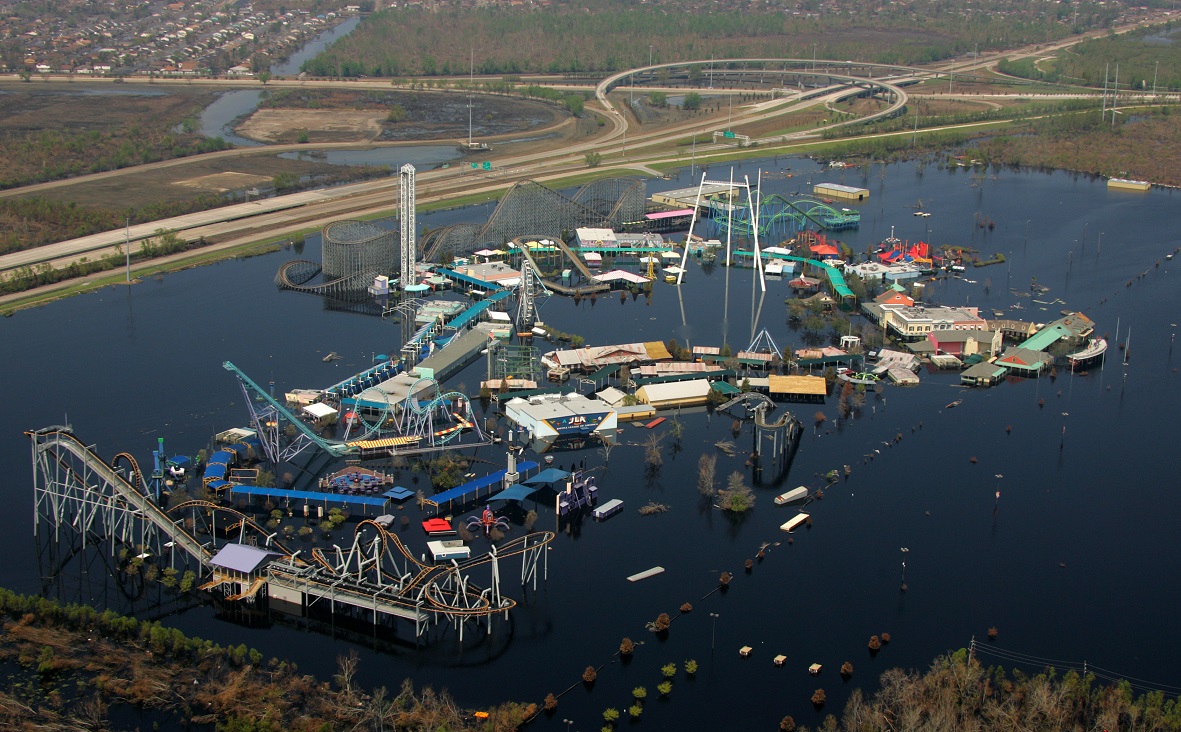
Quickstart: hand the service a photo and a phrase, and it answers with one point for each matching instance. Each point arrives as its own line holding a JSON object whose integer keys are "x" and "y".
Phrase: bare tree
{"x": 707, "y": 475}
{"x": 653, "y": 455}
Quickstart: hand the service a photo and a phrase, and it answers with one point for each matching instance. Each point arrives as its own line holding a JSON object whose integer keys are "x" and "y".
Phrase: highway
{"x": 281, "y": 216}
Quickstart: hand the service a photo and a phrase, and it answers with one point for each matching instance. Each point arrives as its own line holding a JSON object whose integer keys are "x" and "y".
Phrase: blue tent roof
{"x": 518, "y": 492}
{"x": 548, "y": 476}
{"x": 398, "y": 493}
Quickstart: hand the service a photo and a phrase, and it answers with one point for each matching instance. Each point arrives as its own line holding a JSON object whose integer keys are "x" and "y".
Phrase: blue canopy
{"x": 518, "y": 492}
{"x": 548, "y": 477}
{"x": 398, "y": 493}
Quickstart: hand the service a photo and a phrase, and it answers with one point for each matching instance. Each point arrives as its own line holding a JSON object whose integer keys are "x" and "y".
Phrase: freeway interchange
{"x": 623, "y": 149}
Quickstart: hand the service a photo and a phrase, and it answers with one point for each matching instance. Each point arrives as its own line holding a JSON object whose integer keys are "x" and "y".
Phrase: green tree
{"x": 658, "y": 99}
{"x": 593, "y": 159}
{"x": 736, "y": 496}
{"x": 692, "y": 101}
{"x": 285, "y": 181}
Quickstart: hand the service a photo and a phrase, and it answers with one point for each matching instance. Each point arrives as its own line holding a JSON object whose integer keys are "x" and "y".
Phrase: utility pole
{"x": 1106, "y": 76}
{"x": 1115, "y": 94}
{"x": 649, "y": 54}
{"x": 1154, "y": 71}
{"x": 127, "y": 248}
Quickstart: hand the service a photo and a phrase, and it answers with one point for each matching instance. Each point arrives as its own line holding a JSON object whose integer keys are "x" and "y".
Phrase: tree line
{"x": 958, "y": 693}
{"x": 907, "y": 120}
{"x": 610, "y": 35}
{"x": 28, "y": 276}
{"x": 114, "y": 658}
{"x": 1144, "y": 145}
{"x": 1143, "y": 56}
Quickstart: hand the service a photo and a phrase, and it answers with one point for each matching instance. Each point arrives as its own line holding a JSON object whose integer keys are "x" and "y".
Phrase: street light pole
{"x": 568, "y": 723}
{"x": 649, "y": 54}
{"x": 713, "y": 633}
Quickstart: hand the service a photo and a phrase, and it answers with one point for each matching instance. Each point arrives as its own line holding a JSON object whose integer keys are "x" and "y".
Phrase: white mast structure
{"x": 730, "y": 188}
{"x": 755, "y": 214}
{"x": 406, "y": 204}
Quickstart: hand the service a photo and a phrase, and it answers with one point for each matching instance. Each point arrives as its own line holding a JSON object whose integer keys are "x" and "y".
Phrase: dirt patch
{"x": 320, "y": 125}
{"x": 222, "y": 182}
{"x": 402, "y": 115}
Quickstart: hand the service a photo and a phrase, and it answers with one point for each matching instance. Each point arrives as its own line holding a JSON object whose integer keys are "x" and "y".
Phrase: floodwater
{"x": 291, "y": 66}
{"x": 1075, "y": 561}
{"x": 218, "y": 118}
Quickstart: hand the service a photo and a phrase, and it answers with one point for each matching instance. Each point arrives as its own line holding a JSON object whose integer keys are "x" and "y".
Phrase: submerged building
{"x": 549, "y": 419}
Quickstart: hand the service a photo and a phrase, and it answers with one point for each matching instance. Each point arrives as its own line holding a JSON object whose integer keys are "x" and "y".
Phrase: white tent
{"x": 319, "y": 410}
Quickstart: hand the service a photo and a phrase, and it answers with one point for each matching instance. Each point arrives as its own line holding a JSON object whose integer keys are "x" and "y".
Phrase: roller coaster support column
{"x": 783, "y": 435}
{"x": 406, "y": 204}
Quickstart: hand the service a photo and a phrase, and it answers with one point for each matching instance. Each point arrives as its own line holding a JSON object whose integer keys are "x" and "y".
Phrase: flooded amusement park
{"x": 565, "y": 439}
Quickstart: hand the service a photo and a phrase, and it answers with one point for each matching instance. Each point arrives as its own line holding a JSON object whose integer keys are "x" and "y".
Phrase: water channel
{"x": 218, "y": 118}
{"x": 1076, "y": 560}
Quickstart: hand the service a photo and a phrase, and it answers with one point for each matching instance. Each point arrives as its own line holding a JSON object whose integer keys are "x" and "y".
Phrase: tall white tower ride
{"x": 406, "y": 203}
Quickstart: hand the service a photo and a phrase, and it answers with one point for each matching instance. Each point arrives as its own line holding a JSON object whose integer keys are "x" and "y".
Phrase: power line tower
{"x": 406, "y": 203}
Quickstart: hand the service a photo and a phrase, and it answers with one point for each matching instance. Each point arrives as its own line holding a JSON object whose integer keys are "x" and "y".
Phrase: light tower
{"x": 406, "y": 202}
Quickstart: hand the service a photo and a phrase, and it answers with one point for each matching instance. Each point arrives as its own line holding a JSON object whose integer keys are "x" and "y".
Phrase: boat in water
{"x": 795, "y": 494}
